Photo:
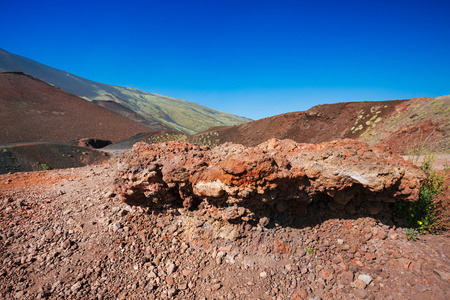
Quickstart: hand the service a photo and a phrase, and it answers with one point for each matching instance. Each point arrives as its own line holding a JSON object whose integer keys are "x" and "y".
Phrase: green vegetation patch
{"x": 423, "y": 215}
{"x": 210, "y": 139}
{"x": 310, "y": 250}
{"x": 45, "y": 167}
{"x": 163, "y": 138}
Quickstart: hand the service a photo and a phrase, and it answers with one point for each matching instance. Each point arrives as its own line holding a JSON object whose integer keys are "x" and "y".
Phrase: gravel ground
{"x": 64, "y": 235}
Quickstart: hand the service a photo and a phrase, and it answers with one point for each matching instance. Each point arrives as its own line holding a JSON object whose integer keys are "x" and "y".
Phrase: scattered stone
{"x": 75, "y": 287}
{"x": 166, "y": 254}
{"x": 346, "y": 278}
{"x": 361, "y": 294}
{"x": 366, "y": 278}
{"x": 359, "y": 284}
{"x": 170, "y": 268}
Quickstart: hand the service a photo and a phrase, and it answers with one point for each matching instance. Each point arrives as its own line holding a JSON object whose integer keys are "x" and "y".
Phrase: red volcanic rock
{"x": 235, "y": 182}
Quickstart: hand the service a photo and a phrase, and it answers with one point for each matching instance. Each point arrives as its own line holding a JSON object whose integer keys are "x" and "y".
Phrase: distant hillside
{"x": 417, "y": 126}
{"x": 319, "y": 124}
{"x": 128, "y": 113}
{"x": 406, "y": 126}
{"x": 24, "y": 157}
{"x": 34, "y": 111}
{"x": 175, "y": 114}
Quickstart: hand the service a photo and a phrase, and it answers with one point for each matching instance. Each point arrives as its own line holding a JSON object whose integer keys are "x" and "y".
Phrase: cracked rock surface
{"x": 237, "y": 183}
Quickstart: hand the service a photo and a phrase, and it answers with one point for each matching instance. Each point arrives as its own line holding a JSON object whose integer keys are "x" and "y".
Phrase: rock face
{"x": 233, "y": 182}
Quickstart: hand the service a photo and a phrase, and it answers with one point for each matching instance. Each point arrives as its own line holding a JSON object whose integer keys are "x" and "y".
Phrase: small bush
{"x": 420, "y": 216}
{"x": 45, "y": 167}
{"x": 411, "y": 233}
{"x": 310, "y": 250}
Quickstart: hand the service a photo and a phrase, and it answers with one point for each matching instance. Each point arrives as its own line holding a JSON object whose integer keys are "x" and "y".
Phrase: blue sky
{"x": 250, "y": 58}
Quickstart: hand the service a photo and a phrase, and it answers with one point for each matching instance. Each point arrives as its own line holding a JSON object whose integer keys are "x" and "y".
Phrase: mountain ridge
{"x": 410, "y": 126}
{"x": 173, "y": 113}
{"x": 35, "y": 111}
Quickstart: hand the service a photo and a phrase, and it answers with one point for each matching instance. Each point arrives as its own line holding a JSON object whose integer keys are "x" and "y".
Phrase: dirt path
{"x": 63, "y": 235}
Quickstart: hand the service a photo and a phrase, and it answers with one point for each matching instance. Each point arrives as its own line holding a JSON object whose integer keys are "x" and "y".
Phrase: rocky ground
{"x": 65, "y": 235}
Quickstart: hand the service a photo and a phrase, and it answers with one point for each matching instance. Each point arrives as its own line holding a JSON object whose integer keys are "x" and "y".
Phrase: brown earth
{"x": 65, "y": 235}
{"x": 319, "y": 124}
{"x": 407, "y": 127}
{"x": 415, "y": 126}
{"x": 34, "y": 111}
{"x": 22, "y": 157}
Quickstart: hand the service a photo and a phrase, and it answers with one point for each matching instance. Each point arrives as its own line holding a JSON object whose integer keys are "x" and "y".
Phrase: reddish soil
{"x": 63, "y": 235}
{"x": 38, "y": 181}
{"x": 416, "y": 126}
{"x": 406, "y": 139}
{"x": 321, "y": 123}
{"x": 34, "y": 111}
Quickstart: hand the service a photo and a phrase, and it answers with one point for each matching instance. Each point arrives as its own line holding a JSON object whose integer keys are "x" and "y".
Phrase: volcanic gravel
{"x": 65, "y": 235}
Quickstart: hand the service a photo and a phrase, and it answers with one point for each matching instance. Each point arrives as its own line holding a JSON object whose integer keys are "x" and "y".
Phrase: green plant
{"x": 411, "y": 233}
{"x": 5, "y": 150}
{"x": 310, "y": 250}
{"x": 45, "y": 167}
{"x": 421, "y": 215}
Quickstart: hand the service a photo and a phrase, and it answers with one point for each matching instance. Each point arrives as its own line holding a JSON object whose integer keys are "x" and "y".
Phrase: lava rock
{"x": 233, "y": 182}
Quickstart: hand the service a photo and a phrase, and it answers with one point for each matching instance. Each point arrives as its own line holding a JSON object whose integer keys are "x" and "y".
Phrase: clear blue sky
{"x": 251, "y": 58}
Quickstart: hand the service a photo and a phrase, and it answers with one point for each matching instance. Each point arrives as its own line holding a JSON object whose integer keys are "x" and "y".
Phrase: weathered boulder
{"x": 234, "y": 182}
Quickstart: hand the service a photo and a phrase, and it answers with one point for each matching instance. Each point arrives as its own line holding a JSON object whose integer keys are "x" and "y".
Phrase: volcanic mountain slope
{"x": 128, "y": 113}
{"x": 406, "y": 126}
{"x": 175, "y": 114}
{"x": 34, "y": 111}
{"x": 417, "y": 126}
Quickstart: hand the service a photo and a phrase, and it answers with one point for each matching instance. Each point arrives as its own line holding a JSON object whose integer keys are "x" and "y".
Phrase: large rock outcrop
{"x": 233, "y": 182}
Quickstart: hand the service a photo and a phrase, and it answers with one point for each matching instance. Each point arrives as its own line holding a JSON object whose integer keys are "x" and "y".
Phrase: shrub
{"x": 421, "y": 216}
{"x": 45, "y": 167}
{"x": 310, "y": 250}
{"x": 411, "y": 233}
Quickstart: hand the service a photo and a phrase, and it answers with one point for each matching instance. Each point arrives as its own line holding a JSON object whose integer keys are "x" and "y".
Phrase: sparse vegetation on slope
{"x": 415, "y": 127}
{"x": 176, "y": 114}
